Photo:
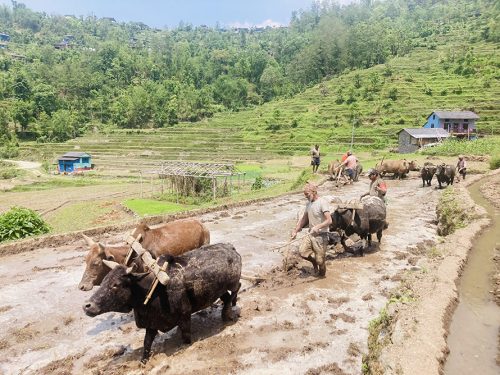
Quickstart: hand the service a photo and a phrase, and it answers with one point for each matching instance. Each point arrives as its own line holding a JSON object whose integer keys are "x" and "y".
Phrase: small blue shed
{"x": 72, "y": 162}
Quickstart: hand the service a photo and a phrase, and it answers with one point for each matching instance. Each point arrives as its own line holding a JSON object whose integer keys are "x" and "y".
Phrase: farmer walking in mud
{"x": 461, "y": 167}
{"x": 378, "y": 187}
{"x": 315, "y": 158}
{"x": 317, "y": 216}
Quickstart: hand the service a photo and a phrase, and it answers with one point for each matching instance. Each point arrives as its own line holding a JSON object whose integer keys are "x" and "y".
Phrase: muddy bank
{"x": 412, "y": 338}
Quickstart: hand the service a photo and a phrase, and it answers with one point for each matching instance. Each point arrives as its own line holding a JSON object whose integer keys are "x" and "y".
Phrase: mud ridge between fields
{"x": 62, "y": 239}
{"x": 420, "y": 326}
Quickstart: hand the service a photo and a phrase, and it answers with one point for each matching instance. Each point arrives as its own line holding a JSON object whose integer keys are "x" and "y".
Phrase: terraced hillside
{"x": 376, "y": 102}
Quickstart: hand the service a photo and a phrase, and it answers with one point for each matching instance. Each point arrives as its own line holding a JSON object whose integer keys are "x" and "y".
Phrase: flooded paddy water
{"x": 474, "y": 330}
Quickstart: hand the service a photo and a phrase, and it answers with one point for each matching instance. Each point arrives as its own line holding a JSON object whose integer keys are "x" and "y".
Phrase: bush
{"x": 258, "y": 183}
{"x": 8, "y": 173}
{"x": 21, "y": 222}
{"x": 393, "y": 94}
{"x": 495, "y": 162}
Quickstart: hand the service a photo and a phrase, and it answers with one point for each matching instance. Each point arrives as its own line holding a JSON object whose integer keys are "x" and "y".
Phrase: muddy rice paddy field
{"x": 292, "y": 323}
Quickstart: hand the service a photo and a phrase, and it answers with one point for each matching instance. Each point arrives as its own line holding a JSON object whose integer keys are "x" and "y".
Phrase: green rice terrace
{"x": 376, "y": 102}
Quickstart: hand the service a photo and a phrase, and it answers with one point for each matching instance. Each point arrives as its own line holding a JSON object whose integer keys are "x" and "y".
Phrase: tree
{"x": 22, "y": 113}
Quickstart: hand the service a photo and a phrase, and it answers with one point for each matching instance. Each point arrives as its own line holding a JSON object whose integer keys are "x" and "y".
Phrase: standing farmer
{"x": 317, "y": 216}
{"x": 315, "y": 158}
{"x": 461, "y": 166}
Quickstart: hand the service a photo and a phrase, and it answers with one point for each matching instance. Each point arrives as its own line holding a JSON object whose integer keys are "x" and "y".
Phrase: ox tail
{"x": 255, "y": 279}
{"x": 206, "y": 235}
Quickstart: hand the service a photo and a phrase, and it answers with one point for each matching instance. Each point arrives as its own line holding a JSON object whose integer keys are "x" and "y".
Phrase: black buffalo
{"x": 370, "y": 219}
{"x": 196, "y": 280}
{"x": 445, "y": 174}
{"x": 427, "y": 172}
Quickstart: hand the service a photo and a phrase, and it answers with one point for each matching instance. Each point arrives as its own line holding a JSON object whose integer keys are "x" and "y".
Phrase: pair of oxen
{"x": 445, "y": 174}
{"x": 198, "y": 274}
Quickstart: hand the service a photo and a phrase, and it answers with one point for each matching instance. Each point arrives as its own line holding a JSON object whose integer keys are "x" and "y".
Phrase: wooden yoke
{"x": 159, "y": 272}
{"x": 131, "y": 240}
{"x": 353, "y": 205}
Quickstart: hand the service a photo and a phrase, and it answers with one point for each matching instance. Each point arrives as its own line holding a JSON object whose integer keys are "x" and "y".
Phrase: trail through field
{"x": 292, "y": 323}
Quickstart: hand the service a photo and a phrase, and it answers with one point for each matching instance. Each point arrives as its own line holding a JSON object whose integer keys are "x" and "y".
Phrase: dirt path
{"x": 293, "y": 323}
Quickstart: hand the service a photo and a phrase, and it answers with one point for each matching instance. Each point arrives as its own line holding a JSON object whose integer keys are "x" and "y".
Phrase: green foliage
{"x": 8, "y": 173}
{"x": 144, "y": 207}
{"x": 451, "y": 214}
{"x": 258, "y": 183}
{"x": 453, "y": 147}
{"x": 393, "y": 93}
{"x": 132, "y": 76}
{"x": 304, "y": 176}
{"x": 21, "y": 222}
{"x": 495, "y": 162}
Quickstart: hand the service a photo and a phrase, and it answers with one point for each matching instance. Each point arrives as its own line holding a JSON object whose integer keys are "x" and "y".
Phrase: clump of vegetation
{"x": 304, "y": 176}
{"x": 452, "y": 147}
{"x": 451, "y": 214}
{"x": 377, "y": 339}
{"x": 258, "y": 183}
{"x": 8, "y": 173}
{"x": 495, "y": 162}
{"x": 20, "y": 222}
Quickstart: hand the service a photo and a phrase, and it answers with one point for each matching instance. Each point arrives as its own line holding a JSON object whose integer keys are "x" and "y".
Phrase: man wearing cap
{"x": 378, "y": 188}
{"x": 317, "y": 216}
{"x": 461, "y": 166}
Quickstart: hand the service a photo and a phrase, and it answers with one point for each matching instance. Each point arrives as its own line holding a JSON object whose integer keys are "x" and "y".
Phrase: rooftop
{"x": 426, "y": 132}
{"x": 455, "y": 115}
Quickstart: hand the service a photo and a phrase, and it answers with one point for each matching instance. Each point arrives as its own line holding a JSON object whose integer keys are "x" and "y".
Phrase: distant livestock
{"x": 174, "y": 238}
{"x": 196, "y": 280}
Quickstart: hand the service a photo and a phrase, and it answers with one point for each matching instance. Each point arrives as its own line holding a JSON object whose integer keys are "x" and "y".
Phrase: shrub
{"x": 20, "y": 222}
{"x": 258, "y": 183}
{"x": 393, "y": 94}
{"x": 495, "y": 162}
{"x": 8, "y": 173}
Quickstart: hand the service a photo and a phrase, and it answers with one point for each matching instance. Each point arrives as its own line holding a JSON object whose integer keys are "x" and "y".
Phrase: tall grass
{"x": 483, "y": 146}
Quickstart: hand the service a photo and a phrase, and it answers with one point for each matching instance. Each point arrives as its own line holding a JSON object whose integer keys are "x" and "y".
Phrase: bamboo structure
{"x": 187, "y": 177}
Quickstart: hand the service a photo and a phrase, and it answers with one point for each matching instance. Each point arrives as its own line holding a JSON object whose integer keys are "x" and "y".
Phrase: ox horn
{"x": 89, "y": 240}
{"x": 101, "y": 248}
{"x": 110, "y": 263}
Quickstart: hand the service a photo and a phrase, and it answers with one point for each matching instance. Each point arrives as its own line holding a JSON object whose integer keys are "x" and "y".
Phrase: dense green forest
{"x": 62, "y": 75}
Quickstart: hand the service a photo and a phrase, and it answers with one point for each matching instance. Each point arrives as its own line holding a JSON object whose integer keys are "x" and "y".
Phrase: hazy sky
{"x": 161, "y": 13}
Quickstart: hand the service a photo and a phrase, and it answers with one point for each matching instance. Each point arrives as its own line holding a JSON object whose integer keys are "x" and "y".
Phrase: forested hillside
{"x": 61, "y": 75}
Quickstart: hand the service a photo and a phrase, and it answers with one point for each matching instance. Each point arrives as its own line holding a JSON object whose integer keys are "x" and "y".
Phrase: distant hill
{"x": 62, "y": 76}
{"x": 377, "y": 102}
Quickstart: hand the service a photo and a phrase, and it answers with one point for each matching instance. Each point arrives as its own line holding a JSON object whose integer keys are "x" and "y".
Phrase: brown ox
{"x": 333, "y": 168}
{"x": 399, "y": 168}
{"x": 174, "y": 238}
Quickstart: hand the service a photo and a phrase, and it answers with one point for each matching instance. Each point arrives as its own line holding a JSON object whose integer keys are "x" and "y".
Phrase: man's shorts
{"x": 315, "y": 161}
{"x": 350, "y": 173}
